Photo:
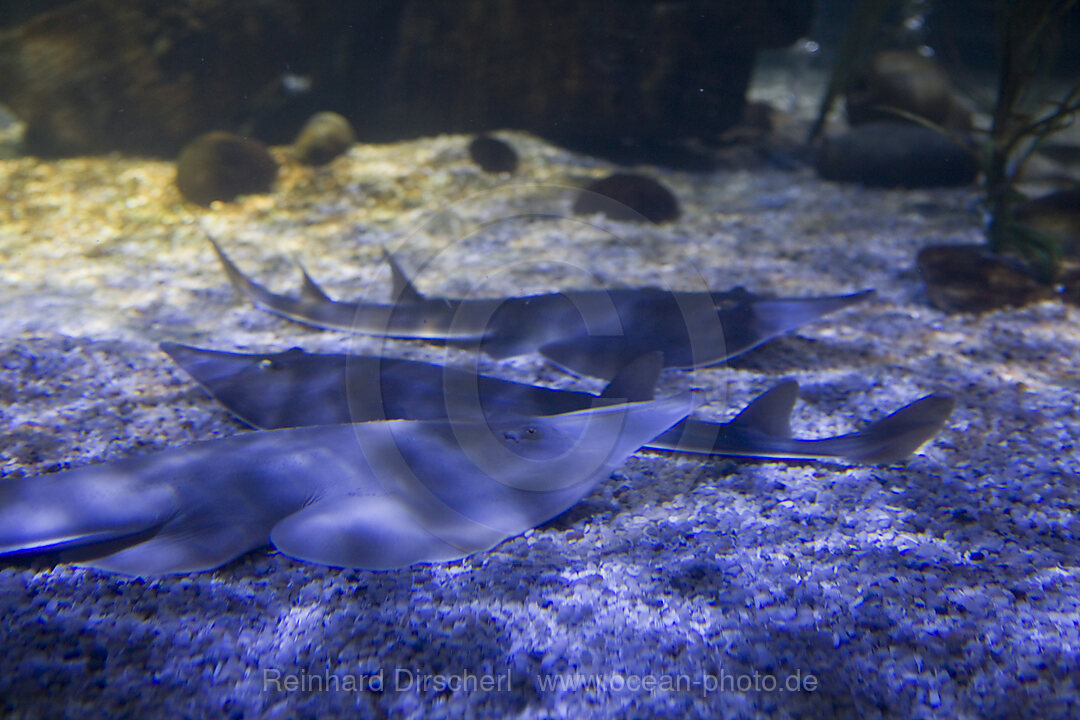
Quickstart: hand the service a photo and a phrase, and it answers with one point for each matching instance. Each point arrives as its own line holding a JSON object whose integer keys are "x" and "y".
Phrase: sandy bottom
{"x": 947, "y": 586}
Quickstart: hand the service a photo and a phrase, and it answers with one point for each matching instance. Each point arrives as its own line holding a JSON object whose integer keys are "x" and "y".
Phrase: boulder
{"x": 896, "y": 154}
{"x": 140, "y": 76}
{"x": 906, "y": 81}
{"x": 220, "y": 166}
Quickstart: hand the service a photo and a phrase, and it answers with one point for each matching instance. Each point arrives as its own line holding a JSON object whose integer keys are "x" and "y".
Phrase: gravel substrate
{"x": 945, "y": 587}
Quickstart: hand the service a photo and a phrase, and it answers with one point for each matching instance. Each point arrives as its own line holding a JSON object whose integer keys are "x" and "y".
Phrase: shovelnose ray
{"x": 295, "y": 388}
{"x": 588, "y": 332}
{"x": 375, "y": 495}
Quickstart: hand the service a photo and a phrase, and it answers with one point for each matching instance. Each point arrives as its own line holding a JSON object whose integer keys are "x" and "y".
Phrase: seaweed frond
{"x": 1016, "y": 131}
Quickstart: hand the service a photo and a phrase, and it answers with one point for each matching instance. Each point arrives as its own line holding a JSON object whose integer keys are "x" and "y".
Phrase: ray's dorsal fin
{"x": 636, "y": 382}
{"x": 403, "y": 291}
{"x": 309, "y": 289}
{"x": 770, "y": 412}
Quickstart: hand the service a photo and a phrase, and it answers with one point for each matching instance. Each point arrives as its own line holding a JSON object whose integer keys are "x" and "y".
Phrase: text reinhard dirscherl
{"x": 405, "y": 680}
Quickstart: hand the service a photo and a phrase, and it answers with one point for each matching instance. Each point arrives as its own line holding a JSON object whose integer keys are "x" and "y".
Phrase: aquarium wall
{"x": 143, "y": 76}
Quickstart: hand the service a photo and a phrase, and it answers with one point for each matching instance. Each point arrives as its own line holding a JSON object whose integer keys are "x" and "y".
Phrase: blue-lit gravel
{"x": 946, "y": 587}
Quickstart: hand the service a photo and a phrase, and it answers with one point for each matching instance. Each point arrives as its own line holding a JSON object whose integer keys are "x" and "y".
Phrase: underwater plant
{"x": 1020, "y": 259}
{"x": 1021, "y": 121}
{"x": 859, "y": 39}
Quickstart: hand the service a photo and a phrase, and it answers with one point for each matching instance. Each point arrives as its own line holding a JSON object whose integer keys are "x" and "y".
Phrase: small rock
{"x": 628, "y": 197}
{"x": 969, "y": 278}
{"x": 896, "y": 154}
{"x": 324, "y": 136}
{"x": 493, "y": 155}
{"x": 219, "y": 166}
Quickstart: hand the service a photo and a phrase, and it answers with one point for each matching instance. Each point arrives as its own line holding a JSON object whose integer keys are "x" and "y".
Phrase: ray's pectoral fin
{"x": 756, "y": 321}
{"x": 774, "y": 317}
{"x": 54, "y": 514}
{"x": 369, "y": 531}
{"x": 462, "y": 489}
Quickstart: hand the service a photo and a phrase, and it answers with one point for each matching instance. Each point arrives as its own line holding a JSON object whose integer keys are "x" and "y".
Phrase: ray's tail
{"x": 763, "y": 430}
{"x": 894, "y": 438}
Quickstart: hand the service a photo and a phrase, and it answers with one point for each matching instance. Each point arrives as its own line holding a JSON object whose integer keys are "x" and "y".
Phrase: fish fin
{"x": 169, "y": 347}
{"x": 770, "y": 412}
{"x": 83, "y": 508}
{"x": 169, "y": 553}
{"x": 310, "y": 289}
{"x": 403, "y": 291}
{"x": 771, "y": 317}
{"x": 120, "y": 517}
{"x": 244, "y": 285}
{"x": 292, "y": 353}
{"x": 897, "y": 436}
{"x": 311, "y": 307}
{"x": 636, "y": 382}
{"x": 88, "y": 541}
{"x": 374, "y": 532}
{"x": 601, "y": 356}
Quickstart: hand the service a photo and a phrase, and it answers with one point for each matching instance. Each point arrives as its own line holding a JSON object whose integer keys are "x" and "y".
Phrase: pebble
{"x": 325, "y": 136}
{"x": 79, "y": 353}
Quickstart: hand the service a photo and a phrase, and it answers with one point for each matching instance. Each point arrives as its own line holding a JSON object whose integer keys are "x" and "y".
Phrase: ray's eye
{"x": 266, "y": 364}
